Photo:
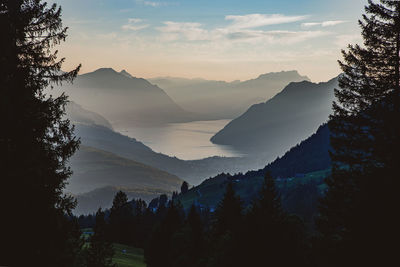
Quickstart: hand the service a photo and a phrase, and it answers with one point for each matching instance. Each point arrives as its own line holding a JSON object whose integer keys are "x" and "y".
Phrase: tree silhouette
{"x": 100, "y": 251}
{"x": 184, "y": 187}
{"x": 121, "y": 218}
{"x": 357, "y": 219}
{"x": 36, "y": 141}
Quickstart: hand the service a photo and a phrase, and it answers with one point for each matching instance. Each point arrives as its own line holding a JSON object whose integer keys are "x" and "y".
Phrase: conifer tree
{"x": 159, "y": 251}
{"x": 184, "y": 187}
{"x": 228, "y": 215}
{"x": 121, "y": 218}
{"x": 357, "y": 219}
{"x": 100, "y": 251}
{"x": 271, "y": 234}
{"x": 36, "y": 141}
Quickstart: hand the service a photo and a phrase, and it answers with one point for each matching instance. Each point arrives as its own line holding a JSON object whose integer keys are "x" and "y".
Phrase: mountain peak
{"x": 125, "y": 73}
{"x": 105, "y": 71}
{"x": 283, "y": 74}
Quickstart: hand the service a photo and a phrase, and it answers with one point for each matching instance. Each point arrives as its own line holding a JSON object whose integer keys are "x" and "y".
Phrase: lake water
{"x": 186, "y": 141}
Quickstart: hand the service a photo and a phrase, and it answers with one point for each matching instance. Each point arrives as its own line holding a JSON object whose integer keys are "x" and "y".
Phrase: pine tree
{"x": 184, "y": 187}
{"x": 36, "y": 141}
{"x": 228, "y": 215}
{"x": 271, "y": 234}
{"x": 159, "y": 251}
{"x": 357, "y": 218}
{"x": 121, "y": 218}
{"x": 227, "y": 228}
{"x": 100, "y": 251}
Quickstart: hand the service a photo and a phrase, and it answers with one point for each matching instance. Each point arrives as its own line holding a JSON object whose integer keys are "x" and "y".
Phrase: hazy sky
{"x": 213, "y": 39}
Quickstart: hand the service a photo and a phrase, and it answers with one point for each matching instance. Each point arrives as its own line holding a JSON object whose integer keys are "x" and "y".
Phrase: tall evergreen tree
{"x": 36, "y": 141}
{"x": 228, "y": 215}
{"x": 228, "y": 220}
{"x": 271, "y": 234}
{"x": 184, "y": 187}
{"x": 357, "y": 219}
{"x": 159, "y": 251}
{"x": 100, "y": 251}
{"x": 121, "y": 218}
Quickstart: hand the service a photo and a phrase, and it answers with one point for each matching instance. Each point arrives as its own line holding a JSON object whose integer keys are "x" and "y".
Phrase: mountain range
{"x": 225, "y": 100}
{"x": 123, "y": 99}
{"x": 270, "y": 129}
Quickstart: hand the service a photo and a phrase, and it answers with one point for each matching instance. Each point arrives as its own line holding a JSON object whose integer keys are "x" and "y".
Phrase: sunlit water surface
{"x": 186, "y": 141}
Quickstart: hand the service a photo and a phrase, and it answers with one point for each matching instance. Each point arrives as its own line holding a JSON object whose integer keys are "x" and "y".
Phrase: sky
{"x": 220, "y": 39}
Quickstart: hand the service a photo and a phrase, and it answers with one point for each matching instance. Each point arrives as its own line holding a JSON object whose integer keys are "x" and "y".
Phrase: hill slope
{"x": 271, "y": 128}
{"x": 94, "y": 168}
{"x": 77, "y": 114}
{"x": 299, "y": 174}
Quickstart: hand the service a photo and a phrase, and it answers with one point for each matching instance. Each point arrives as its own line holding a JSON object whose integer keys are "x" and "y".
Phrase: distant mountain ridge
{"x": 124, "y": 99}
{"x": 273, "y": 127}
{"x": 77, "y": 114}
{"x": 225, "y": 100}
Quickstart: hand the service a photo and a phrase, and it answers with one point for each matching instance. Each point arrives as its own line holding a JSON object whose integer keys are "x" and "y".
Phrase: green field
{"x": 132, "y": 258}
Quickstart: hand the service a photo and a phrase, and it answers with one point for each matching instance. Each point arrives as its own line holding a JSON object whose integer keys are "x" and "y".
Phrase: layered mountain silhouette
{"x": 193, "y": 171}
{"x": 95, "y": 168}
{"x": 271, "y": 128}
{"x": 77, "y": 114}
{"x": 124, "y": 99}
{"x": 225, "y": 100}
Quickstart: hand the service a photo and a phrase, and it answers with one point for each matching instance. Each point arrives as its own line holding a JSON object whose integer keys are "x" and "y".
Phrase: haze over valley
{"x": 136, "y": 136}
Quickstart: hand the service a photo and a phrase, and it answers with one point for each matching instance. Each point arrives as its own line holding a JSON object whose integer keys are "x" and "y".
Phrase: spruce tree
{"x": 100, "y": 251}
{"x": 228, "y": 214}
{"x": 184, "y": 187}
{"x": 121, "y": 218}
{"x": 35, "y": 140}
{"x": 357, "y": 219}
{"x": 271, "y": 234}
{"x": 159, "y": 251}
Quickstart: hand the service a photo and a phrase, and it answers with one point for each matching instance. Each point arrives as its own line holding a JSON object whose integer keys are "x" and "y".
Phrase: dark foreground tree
{"x": 35, "y": 139}
{"x": 357, "y": 219}
{"x": 159, "y": 251}
{"x": 226, "y": 229}
{"x": 121, "y": 219}
{"x": 269, "y": 233}
{"x": 100, "y": 251}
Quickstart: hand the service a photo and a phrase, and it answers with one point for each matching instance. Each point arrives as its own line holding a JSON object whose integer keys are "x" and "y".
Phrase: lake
{"x": 188, "y": 141}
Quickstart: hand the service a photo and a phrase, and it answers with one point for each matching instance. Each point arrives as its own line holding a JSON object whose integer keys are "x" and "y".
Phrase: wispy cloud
{"x": 259, "y": 20}
{"x": 133, "y": 25}
{"x": 242, "y": 29}
{"x": 327, "y": 23}
{"x": 191, "y": 31}
{"x": 151, "y": 3}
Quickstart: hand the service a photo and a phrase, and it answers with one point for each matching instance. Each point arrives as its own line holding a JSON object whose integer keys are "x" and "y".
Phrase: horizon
{"x": 208, "y": 40}
{"x": 256, "y": 76}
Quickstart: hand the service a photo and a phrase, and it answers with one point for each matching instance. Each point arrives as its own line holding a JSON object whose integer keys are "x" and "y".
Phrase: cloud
{"x": 275, "y": 37}
{"x": 151, "y": 3}
{"x": 259, "y": 20}
{"x": 327, "y": 23}
{"x": 133, "y": 25}
{"x": 242, "y": 29}
{"x": 191, "y": 31}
